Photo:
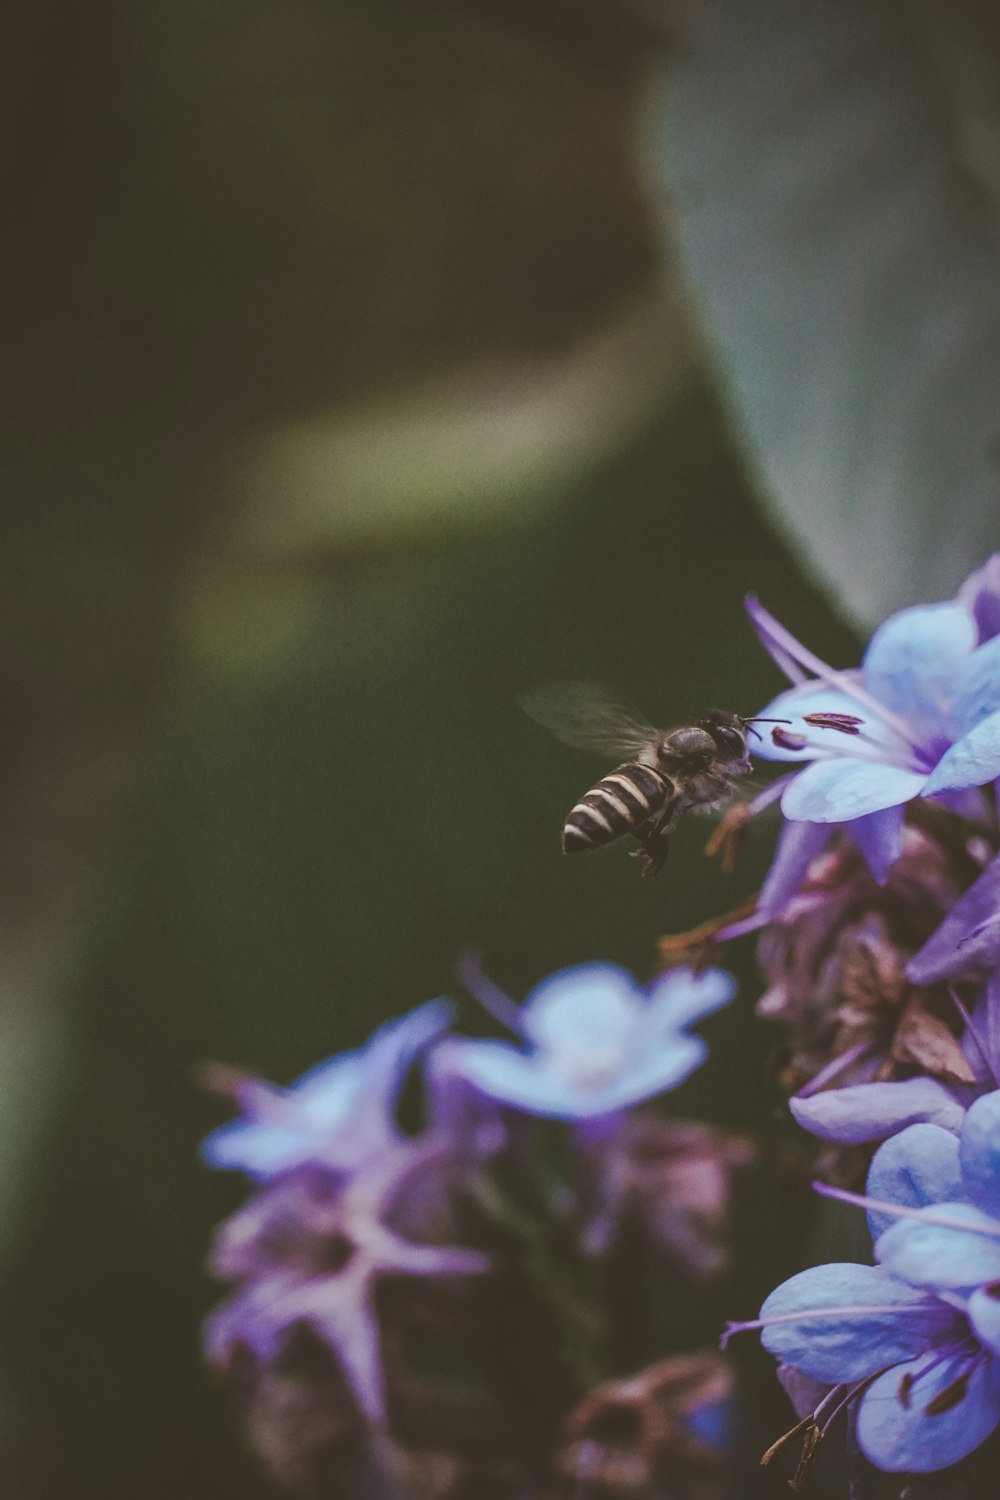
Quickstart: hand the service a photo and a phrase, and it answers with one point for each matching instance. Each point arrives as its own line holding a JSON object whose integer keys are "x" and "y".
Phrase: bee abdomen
{"x": 616, "y": 805}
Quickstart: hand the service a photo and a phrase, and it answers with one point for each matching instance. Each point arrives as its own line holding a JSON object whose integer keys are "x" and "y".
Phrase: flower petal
{"x": 835, "y": 791}
{"x": 529, "y": 1083}
{"x": 601, "y": 1000}
{"x": 663, "y": 1067}
{"x": 980, "y": 593}
{"x": 913, "y": 659}
{"x": 897, "y": 1433}
{"x": 681, "y": 997}
{"x": 265, "y": 1145}
{"x": 843, "y": 1322}
{"x": 972, "y": 761}
{"x": 977, "y": 693}
{"x": 872, "y": 1111}
{"x": 965, "y": 938}
{"x": 879, "y": 836}
{"x": 979, "y": 1150}
{"x": 339, "y": 1111}
{"x": 512, "y": 1077}
{"x": 918, "y": 1166}
{"x": 811, "y": 698}
{"x": 965, "y": 1252}
{"x": 803, "y": 1391}
{"x": 798, "y": 845}
{"x": 984, "y": 1315}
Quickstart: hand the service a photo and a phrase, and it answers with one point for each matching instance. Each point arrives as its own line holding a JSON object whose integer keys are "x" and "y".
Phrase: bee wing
{"x": 580, "y": 714}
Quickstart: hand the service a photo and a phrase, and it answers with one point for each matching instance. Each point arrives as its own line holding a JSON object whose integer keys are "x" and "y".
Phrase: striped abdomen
{"x": 619, "y": 804}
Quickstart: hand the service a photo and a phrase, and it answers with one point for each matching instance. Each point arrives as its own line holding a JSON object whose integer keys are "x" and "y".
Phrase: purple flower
{"x": 864, "y": 1112}
{"x": 928, "y": 693}
{"x": 914, "y": 1341}
{"x": 597, "y": 1042}
{"x": 309, "y": 1253}
{"x": 338, "y": 1114}
{"x": 967, "y": 942}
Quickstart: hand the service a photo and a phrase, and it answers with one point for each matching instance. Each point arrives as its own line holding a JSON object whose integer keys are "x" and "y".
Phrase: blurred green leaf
{"x": 834, "y": 179}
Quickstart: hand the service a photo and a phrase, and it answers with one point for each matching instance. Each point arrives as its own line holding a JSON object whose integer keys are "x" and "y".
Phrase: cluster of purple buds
{"x": 879, "y": 939}
{"x": 433, "y": 1312}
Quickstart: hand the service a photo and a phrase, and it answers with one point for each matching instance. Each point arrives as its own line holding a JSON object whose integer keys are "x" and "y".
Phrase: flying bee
{"x": 668, "y": 771}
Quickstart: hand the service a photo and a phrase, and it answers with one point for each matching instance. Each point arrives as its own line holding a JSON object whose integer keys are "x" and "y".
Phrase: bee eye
{"x": 731, "y": 740}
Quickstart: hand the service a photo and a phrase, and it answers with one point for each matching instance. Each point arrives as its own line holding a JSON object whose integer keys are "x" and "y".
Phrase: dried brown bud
{"x": 628, "y": 1436}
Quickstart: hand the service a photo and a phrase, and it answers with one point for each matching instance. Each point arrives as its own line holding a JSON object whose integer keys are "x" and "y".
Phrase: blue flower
{"x": 914, "y": 1341}
{"x": 597, "y": 1042}
{"x": 338, "y": 1114}
{"x": 928, "y": 695}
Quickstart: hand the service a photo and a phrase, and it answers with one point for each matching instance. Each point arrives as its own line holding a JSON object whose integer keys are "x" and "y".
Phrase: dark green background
{"x": 230, "y": 214}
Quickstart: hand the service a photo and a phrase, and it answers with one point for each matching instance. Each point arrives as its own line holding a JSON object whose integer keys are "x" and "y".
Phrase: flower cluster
{"x": 369, "y": 1260}
{"x": 464, "y": 1308}
{"x": 912, "y": 1343}
{"x": 879, "y": 939}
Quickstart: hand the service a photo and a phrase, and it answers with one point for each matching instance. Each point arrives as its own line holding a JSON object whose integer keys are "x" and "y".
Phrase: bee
{"x": 669, "y": 771}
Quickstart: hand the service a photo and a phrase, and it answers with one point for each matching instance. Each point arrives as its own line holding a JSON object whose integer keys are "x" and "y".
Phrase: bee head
{"x": 729, "y": 734}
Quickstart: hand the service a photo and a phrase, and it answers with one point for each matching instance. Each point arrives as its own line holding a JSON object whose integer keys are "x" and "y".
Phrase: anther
{"x": 787, "y": 739}
{"x": 846, "y": 723}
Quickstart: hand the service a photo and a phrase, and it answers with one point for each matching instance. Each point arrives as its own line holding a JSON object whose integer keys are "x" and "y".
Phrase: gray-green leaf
{"x": 832, "y": 175}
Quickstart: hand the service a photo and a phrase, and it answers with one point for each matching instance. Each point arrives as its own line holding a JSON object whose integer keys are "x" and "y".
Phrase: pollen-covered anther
{"x": 845, "y": 723}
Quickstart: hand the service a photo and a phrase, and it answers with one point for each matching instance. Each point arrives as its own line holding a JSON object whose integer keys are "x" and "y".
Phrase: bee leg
{"x": 653, "y": 840}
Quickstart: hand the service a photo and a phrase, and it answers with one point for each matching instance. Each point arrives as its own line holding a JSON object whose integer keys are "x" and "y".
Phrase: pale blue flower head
{"x": 927, "y": 695}
{"x": 339, "y": 1114}
{"x": 595, "y": 1042}
{"x": 914, "y": 1341}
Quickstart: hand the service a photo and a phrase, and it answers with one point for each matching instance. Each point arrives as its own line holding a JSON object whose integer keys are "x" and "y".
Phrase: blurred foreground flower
{"x": 339, "y": 1113}
{"x": 427, "y": 1315}
{"x": 598, "y": 1042}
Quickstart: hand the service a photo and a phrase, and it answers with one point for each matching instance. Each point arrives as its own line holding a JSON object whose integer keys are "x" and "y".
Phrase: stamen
{"x": 697, "y": 944}
{"x": 814, "y": 1314}
{"x": 973, "y": 1030}
{"x": 774, "y": 634}
{"x": 808, "y": 1422}
{"x": 845, "y": 723}
{"x": 500, "y": 1006}
{"x": 807, "y": 1457}
{"x": 884, "y": 754}
{"x": 814, "y": 1430}
{"x": 898, "y": 1211}
{"x": 728, "y": 836}
{"x": 833, "y": 1069}
{"x": 743, "y": 927}
{"x": 950, "y": 1396}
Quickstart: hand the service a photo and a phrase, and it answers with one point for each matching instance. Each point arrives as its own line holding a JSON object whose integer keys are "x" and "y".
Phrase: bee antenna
{"x": 757, "y": 720}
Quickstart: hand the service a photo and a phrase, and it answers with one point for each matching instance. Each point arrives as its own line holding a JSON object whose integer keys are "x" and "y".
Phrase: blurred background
{"x": 368, "y": 365}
